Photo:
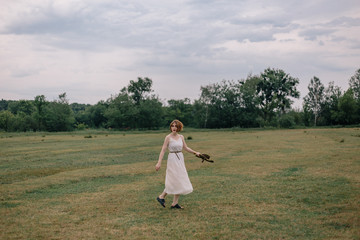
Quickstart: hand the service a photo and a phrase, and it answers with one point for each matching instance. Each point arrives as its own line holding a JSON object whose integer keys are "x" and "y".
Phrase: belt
{"x": 176, "y": 152}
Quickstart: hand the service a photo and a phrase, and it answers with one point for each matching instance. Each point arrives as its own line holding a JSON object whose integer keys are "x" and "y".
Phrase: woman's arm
{"x": 186, "y": 148}
{"x": 163, "y": 149}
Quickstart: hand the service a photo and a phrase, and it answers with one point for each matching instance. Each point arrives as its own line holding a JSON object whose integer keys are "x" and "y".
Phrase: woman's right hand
{"x": 157, "y": 167}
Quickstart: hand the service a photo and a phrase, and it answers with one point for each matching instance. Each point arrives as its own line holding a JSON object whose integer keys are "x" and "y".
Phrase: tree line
{"x": 258, "y": 101}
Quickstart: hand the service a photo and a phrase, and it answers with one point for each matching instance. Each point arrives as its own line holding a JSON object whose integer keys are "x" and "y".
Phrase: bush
{"x": 286, "y": 121}
{"x": 260, "y": 122}
{"x": 81, "y": 126}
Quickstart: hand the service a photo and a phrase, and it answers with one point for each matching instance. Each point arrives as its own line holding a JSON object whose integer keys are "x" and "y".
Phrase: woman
{"x": 177, "y": 181}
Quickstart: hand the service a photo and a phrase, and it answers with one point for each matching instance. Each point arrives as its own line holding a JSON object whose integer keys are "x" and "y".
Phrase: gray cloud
{"x": 313, "y": 33}
{"x": 21, "y": 73}
{"x": 195, "y": 39}
{"x": 344, "y": 22}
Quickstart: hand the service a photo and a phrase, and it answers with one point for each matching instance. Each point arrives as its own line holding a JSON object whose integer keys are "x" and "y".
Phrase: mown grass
{"x": 280, "y": 184}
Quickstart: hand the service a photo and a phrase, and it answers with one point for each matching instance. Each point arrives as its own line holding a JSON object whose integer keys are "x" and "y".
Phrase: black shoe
{"x": 161, "y": 201}
{"x": 177, "y": 206}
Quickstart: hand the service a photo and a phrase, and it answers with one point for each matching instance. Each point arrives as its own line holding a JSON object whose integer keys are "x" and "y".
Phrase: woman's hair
{"x": 178, "y": 124}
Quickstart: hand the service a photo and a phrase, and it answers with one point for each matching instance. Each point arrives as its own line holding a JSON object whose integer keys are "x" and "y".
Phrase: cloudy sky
{"x": 91, "y": 49}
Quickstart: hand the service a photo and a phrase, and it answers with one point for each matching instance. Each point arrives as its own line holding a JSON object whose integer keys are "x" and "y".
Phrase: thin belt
{"x": 176, "y": 153}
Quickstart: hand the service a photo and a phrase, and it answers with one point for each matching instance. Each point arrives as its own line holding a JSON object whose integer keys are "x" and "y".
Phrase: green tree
{"x": 96, "y": 114}
{"x": 23, "y": 122}
{"x": 150, "y": 114}
{"x": 249, "y": 101}
{"x": 221, "y": 103}
{"x": 39, "y": 116}
{"x": 286, "y": 121}
{"x": 274, "y": 90}
{"x": 23, "y": 111}
{"x": 298, "y": 116}
{"x": 330, "y": 105}
{"x": 307, "y": 115}
{"x": 135, "y": 107}
{"x": 6, "y": 120}
{"x": 4, "y": 104}
{"x": 138, "y": 89}
{"x": 347, "y": 109}
{"x": 122, "y": 112}
{"x": 354, "y": 83}
{"x": 58, "y": 115}
{"x": 202, "y": 106}
{"x": 180, "y": 109}
{"x": 200, "y": 113}
{"x": 24, "y": 106}
{"x": 315, "y": 97}
{"x": 228, "y": 104}
{"x": 82, "y": 117}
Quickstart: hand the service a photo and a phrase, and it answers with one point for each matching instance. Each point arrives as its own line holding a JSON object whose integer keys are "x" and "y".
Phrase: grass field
{"x": 269, "y": 184}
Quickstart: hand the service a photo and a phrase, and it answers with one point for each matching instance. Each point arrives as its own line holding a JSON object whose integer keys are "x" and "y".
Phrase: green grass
{"x": 271, "y": 184}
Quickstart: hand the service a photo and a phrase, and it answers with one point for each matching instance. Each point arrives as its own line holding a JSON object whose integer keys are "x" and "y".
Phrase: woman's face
{"x": 173, "y": 127}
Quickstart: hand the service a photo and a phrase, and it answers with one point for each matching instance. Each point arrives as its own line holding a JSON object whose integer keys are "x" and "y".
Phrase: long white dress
{"x": 177, "y": 180}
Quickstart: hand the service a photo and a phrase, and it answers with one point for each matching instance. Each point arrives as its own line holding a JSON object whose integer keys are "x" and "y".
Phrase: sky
{"x": 92, "y": 49}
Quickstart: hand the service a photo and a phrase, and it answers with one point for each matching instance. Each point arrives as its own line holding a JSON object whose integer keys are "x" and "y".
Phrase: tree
{"x": 204, "y": 103}
{"x": 286, "y": 121}
{"x": 134, "y": 107}
{"x": 63, "y": 99}
{"x": 150, "y": 113}
{"x": 96, "y": 114}
{"x": 137, "y": 89}
{"x": 4, "y": 104}
{"x": 39, "y": 116}
{"x": 221, "y": 105}
{"x": 121, "y": 113}
{"x": 58, "y": 115}
{"x": 249, "y": 101}
{"x": 23, "y": 111}
{"x": 228, "y": 104}
{"x": 6, "y": 120}
{"x": 354, "y": 83}
{"x": 82, "y": 117}
{"x": 330, "y": 105}
{"x": 347, "y": 109}
{"x": 307, "y": 115}
{"x": 315, "y": 97}
{"x": 274, "y": 91}
{"x": 180, "y": 109}
{"x": 24, "y": 106}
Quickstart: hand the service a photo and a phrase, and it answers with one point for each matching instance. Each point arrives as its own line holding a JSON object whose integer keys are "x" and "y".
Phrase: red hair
{"x": 178, "y": 124}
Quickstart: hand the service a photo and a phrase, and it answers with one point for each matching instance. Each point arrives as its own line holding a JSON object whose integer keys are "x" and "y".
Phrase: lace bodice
{"x": 175, "y": 145}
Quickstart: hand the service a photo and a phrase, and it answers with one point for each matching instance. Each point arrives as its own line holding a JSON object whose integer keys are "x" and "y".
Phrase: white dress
{"x": 177, "y": 180}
